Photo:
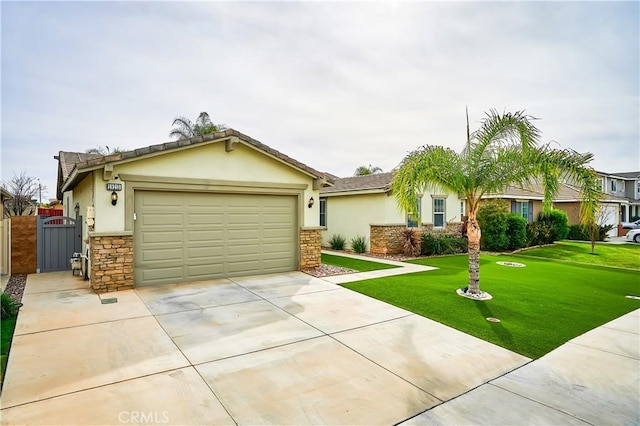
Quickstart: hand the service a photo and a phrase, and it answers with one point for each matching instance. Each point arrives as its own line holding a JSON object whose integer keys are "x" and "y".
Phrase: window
{"x": 461, "y": 209}
{"x": 603, "y": 184}
{"x": 614, "y": 185}
{"x": 438, "y": 212}
{"x": 323, "y": 212}
{"x": 415, "y": 217}
{"x": 523, "y": 208}
{"x": 638, "y": 187}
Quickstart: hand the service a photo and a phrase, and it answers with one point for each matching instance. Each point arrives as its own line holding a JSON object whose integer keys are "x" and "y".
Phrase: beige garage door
{"x": 185, "y": 236}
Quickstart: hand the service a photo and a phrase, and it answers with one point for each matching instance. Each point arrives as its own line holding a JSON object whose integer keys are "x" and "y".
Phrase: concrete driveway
{"x": 275, "y": 349}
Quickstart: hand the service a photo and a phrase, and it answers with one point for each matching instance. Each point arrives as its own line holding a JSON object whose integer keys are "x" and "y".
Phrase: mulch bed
{"x": 15, "y": 286}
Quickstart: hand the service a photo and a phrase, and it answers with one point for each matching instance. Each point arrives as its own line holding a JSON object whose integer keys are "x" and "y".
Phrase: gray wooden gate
{"x": 58, "y": 238}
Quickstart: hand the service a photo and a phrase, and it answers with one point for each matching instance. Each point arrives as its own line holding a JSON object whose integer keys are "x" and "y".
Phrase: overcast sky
{"x": 334, "y": 85}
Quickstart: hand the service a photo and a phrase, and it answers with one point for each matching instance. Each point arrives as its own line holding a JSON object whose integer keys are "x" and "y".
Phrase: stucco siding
{"x": 452, "y": 208}
{"x": 351, "y": 215}
{"x": 201, "y": 164}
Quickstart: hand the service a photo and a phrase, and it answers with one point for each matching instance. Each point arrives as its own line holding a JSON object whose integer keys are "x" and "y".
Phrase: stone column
{"x": 310, "y": 248}
{"x": 111, "y": 259}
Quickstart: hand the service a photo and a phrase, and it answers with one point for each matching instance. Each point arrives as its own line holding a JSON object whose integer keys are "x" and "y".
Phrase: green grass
{"x": 355, "y": 264}
{"x": 541, "y": 306}
{"x": 6, "y": 329}
{"x": 621, "y": 256}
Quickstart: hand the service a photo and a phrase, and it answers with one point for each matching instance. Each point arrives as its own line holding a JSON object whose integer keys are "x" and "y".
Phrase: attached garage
{"x": 215, "y": 206}
{"x": 185, "y": 236}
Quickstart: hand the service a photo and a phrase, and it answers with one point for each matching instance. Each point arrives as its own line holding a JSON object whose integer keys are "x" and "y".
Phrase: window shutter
{"x": 514, "y": 209}
{"x": 530, "y": 211}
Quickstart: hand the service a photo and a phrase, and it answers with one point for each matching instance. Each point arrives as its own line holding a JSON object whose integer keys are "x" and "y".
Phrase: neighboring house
{"x": 5, "y": 238}
{"x": 528, "y": 203}
{"x": 625, "y": 185}
{"x": 365, "y": 206}
{"x": 216, "y": 206}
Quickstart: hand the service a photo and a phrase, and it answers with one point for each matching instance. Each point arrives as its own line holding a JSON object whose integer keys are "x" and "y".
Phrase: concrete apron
{"x": 273, "y": 349}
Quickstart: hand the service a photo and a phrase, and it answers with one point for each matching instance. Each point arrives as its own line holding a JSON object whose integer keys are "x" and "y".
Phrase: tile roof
{"x": 627, "y": 175}
{"x": 566, "y": 193}
{"x": 68, "y": 160}
{"x": 379, "y": 181}
{"x": 73, "y": 160}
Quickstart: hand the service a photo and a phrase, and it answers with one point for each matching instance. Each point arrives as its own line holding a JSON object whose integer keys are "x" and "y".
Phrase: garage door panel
{"x": 213, "y": 253}
{"x": 190, "y": 236}
{"x": 204, "y": 271}
{"x": 205, "y": 219}
{"x": 206, "y": 235}
{"x": 168, "y": 254}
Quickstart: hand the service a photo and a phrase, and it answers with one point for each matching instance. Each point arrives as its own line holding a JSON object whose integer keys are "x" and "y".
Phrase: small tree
{"x": 103, "y": 150}
{"x": 22, "y": 189}
{"x": 365, "y": 171}
{"x": 185, "y": 129}
{"x": 594, "y": 228}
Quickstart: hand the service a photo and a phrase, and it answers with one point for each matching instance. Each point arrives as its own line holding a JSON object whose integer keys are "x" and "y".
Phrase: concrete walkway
{"x": 292, "y": 349}
{"x": 402, "y": 268}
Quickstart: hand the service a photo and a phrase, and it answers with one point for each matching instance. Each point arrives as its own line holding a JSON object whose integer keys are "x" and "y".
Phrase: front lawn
{"x": 355, "y": 264}
{"x": 541, "y": 306}
{"x": 619, "y": 255}
{"x": 6, "y": 329}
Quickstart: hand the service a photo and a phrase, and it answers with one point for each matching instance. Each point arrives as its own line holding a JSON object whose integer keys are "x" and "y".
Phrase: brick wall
{"x": 310, "y": 248}
{"x": 24, "y": 254}
{"x": 111, "y": 263}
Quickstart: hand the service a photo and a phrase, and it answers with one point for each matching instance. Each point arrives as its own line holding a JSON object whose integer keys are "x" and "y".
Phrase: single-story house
{"x": 220, "y": 205}
{"x": 528, "y": 203}
{"x": 365, "y": 206}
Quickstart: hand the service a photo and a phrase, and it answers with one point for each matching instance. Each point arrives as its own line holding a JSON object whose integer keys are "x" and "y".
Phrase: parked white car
{"x": 631, "y": 225}
{"x": 634, "y": 235}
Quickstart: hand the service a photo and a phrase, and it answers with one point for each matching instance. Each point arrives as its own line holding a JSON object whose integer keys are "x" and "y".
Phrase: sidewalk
{"x": 592, "y": 379}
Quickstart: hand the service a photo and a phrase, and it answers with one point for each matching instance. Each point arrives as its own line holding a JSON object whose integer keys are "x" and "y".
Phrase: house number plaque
{"x": 114, "y": 187}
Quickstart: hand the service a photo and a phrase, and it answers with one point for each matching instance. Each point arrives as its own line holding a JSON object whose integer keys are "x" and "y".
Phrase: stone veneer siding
{"x": 387, "y": 239}
{"x": 111, "y": 263}
{"x": 310, "y": 241}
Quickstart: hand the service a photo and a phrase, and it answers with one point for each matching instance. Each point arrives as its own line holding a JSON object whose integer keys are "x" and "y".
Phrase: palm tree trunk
{"x": 473, "y": 234}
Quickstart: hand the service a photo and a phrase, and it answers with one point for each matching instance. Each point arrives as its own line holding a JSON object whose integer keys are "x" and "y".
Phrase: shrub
{"x": 359, "y": 244}
{"x": 558, "y": 224}
{"x": 581, "y": 232}
{"x": 516, "y": 231}
{"x": 337, "y": 242}
{"x": 435, "y": 245}
{"x": 492, "y": 217}
{"x": 9, "y": 306}
{"x": 538, "y": 233}
{"x": 410, "y": 241}
{"x": 578, "y": 232}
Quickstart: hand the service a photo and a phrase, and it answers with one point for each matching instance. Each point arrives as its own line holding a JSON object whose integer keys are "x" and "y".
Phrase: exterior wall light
{"x": 114, "y": 198}
{"x": 77, "y": 208}
{"x": 311, "y": 202}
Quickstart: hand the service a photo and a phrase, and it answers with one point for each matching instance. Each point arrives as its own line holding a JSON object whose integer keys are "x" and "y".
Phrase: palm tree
{"x": 185, "y": 129}
{"x": 364, "y": 170}
{"x": 503, "y": 152}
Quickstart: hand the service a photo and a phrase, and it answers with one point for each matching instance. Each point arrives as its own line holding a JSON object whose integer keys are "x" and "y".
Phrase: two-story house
{"x": 625, "y": 186}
